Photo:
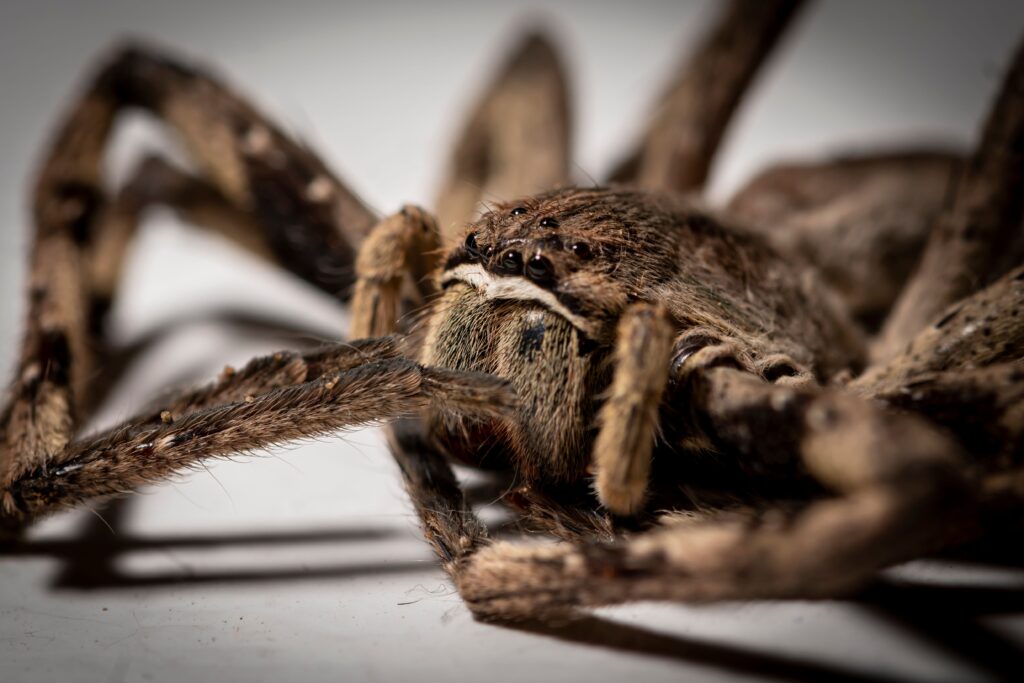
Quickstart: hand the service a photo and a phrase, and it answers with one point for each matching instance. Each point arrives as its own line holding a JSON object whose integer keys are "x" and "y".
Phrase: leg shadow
{"x": 605, "y": 633}
{"x": 90, "y": 561}
{"x": 948, "y": 617}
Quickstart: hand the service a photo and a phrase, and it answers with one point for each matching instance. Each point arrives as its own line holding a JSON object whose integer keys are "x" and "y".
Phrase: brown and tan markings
{"x": 774, "y": 399}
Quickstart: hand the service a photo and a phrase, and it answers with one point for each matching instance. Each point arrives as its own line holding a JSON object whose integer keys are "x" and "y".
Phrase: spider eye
{"x": 511, "y": 262}
{"x": 582, "y": 251}
{"x": 539, "y": 269}
{"x": 519, "y": 211}
{"x": 471, "y": 245}
{"x": 548, "y": 223}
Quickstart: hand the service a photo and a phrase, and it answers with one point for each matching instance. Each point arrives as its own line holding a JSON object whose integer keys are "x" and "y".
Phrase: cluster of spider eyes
{"x": 539, "y": 269}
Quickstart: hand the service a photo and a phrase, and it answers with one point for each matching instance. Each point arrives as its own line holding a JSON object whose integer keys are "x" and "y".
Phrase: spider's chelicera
{"x": 774, "y": 398}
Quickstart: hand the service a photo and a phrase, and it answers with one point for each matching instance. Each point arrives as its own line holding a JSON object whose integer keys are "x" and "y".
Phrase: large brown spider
{"x": 699, "y": 410}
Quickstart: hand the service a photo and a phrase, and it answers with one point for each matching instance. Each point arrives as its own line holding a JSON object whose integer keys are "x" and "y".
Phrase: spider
{"x": 774, "y": 399}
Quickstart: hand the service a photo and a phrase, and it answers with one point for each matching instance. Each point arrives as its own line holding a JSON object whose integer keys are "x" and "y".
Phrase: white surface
{"x": 379, "y": 90}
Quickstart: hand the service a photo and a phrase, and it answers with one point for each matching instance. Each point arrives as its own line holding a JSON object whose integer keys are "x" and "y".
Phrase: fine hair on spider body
{"x": 772, "y": 398}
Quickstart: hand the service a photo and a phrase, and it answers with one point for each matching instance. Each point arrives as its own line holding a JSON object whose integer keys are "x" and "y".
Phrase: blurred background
{"x": 307, "y": 562}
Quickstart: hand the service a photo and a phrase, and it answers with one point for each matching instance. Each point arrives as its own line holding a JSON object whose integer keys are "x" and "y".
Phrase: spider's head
{"x": 582, "y": 253}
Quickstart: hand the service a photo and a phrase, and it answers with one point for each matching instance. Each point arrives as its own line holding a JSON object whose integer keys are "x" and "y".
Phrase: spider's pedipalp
{"x": 396, "y": 259}
{"x": 628, "y": 420}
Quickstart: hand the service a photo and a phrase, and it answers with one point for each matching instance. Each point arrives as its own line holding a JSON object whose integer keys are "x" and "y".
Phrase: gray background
{"x": 345, "y": 588}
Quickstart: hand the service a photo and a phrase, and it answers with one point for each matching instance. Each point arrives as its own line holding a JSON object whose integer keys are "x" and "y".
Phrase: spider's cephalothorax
{"x": 535, "y": 290}
{"x": 666, "y": 360}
